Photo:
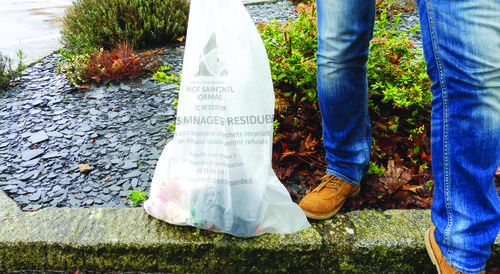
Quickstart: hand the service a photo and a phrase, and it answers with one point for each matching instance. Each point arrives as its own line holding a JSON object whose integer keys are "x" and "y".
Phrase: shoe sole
{"x": 320, "y": 217}
{"x": 329, "y": 215}
{"x": 428, "y": 246}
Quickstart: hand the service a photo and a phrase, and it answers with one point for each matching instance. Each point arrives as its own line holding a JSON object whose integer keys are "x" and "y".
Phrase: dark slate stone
{"x": 31, "y": 154}
{"x": 36, "y": 207}
{"x": 123, "y": 148}
{"x": 129, "y": 165}
{"x": 86, "y": 189}
{"x": 84, "y": 128}
{"x": 57, "y": 188}
{"x": 133, "y": 174}
{"x": 46, "y": 199}
{"x": 125, "y": 87}
{"x": 65, "y": 182}
{"x": 51, "y": 176}
{"x": 113, "y": 115}
{"x": 59, "y": 193}
{"x": 38, "y": 137}
{"x": 55, "y": 134}
{"x": 115, "y": 188}
{"x": 135, "y": 157}
{"x": 80, "y": 196}
{"x": 125, "y": 119}
{"x": 31, "y": 163}
{"x": 10, "y": 188}
{"x": 28, "y": 175}
{"x": 88, "y": 202}
{"x": 94, "y": 112}
{"x": 134, "y": 183}
{"x": 127, "y": 186}
{"x": 51, "y": 154}
{"x": 105, "y": 198}
{"x": 35, "y": 197}
{"x": 38, "y": 103}
{"x": 30, "y": 189}
{"x": 135, "y": 148}
{"x": 74, "y": 202}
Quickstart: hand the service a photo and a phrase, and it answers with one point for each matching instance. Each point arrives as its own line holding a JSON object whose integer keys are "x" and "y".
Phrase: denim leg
{"x": 345, "y": 29}
{"x": 462, "y": 50}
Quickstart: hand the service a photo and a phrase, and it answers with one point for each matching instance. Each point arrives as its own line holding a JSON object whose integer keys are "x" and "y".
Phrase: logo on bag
{"x": 210, "y": 62}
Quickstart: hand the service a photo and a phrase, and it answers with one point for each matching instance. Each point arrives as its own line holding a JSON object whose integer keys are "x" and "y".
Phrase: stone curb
{"x": 110, "y": 239}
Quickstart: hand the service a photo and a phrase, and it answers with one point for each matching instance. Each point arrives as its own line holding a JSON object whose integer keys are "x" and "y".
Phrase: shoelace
{"x": 329, "y": 181}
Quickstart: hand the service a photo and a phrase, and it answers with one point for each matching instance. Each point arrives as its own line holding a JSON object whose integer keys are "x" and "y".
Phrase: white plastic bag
{"x": 216, "y": 173}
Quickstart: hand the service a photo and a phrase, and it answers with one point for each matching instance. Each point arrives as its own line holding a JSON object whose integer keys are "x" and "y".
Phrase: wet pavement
{"x": 32, "y": 26}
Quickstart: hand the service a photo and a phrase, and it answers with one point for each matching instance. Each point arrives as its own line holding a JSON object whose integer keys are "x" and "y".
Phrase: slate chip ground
{"x": 48, "y": 128}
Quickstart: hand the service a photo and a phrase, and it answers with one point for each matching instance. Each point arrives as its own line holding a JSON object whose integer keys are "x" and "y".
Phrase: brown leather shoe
{"x": 436, "y": 255}
{"x": 326, "y": 200}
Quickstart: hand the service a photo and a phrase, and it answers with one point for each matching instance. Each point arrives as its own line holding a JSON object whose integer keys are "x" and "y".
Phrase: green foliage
{"x": 399, "y": 102}
{"x": 376, "y": 170}
{"x": 172, "y": 128}
{"x": 399, "y": 95}
{"x": 7, "y": 73}
{"x": 396, "y": 70}
{"x": 91, "y": 24}
{"x": 73, "y": 67}
{"x": 137, "y": 197}
{"x": 291, "y": 49}
{"x": 164, "y": 74}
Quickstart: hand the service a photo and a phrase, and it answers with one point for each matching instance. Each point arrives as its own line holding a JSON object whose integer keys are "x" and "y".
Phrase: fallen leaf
{"x": 412, "y": 188}
{"x": 308, "y": 144}
{"x": 428, "y": 157}
{"x": 395, "y": 177}
{"x": 84, "y": 168}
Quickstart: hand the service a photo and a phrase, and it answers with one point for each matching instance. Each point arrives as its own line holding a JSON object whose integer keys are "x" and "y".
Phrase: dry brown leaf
{"x": 412, "y": 188}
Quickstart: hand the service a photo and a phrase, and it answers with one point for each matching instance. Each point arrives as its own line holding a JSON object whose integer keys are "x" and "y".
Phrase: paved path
{"x": 31, "y": 26}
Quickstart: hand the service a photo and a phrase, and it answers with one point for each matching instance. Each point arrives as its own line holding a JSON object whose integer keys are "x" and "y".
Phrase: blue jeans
{"x": 345, "y": 30}
{"x": 462, "y": 48}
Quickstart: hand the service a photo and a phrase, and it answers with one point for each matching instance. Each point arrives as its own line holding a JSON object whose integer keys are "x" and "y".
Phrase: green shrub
{"x": 291, "y": 49}
{"x": 91, "y": 24}
{"x": 7, "y": 73}
{"x": 73, "y": 66}
{"x": 396, "y": 69}
{"x": 399, "y": 102}
{"x": 137, "y": 197}
{"x": 164, "y": 74}
{"x": 399, "y": 95}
